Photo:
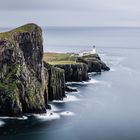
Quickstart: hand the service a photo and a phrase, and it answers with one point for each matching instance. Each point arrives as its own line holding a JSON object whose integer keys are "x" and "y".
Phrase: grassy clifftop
{"x": 24, "y": 28}
{"x": 60, "y": 58}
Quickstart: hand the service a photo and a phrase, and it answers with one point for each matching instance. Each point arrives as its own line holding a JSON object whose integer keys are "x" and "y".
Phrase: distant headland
{"x": 29, "y": 78}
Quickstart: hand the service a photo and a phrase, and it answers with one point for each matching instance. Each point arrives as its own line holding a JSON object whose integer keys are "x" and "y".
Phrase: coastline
{"x": 36, "y": 80}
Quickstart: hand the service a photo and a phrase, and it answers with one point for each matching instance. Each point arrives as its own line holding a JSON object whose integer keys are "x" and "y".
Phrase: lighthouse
{"x": 93, "y": 50}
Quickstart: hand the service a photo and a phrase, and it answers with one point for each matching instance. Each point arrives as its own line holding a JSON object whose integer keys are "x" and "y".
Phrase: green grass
{"x": 62, "y": 62}
{"x": 60, "y": 58}
{"x": 24, "y": 28}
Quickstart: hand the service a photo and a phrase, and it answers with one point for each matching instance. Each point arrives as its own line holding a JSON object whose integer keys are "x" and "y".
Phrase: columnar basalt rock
{"x": 75, "y": 72}
{"x": 56, "y": 82}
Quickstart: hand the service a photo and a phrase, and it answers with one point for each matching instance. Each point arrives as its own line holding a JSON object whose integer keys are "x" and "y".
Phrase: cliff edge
{"x": 27, "y": 83}
{"x": 22, "y": 82}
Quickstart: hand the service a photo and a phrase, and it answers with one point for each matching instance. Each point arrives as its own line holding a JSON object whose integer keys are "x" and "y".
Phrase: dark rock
{"x": 75, "y": 72}
{"x": 56, "y": 82}
{"x": 104, "y": 66}
{"x": 94, "y": 63}
{"x": 22, "y": 83}
{"x": 68, "y": 89}
{"x": 26, "y": 82}
{"x": 49, "y": 107}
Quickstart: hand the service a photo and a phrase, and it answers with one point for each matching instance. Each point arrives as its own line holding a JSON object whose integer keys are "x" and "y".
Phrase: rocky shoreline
{"x": 27, "y": 83}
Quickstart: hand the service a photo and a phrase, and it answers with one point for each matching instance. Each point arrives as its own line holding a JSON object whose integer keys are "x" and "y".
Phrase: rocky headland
{"x": 29, "y": 78}
{"x": 76, "y": 67}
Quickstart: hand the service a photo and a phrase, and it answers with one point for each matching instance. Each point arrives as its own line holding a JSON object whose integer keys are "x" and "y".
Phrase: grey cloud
{"x": 43, "y": 4}
{"x": 71, "y": 12}
{"x": 70, "y": 5}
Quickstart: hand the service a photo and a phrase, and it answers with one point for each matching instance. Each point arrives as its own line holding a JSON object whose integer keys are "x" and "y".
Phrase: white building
{"x": 87, "y": 52}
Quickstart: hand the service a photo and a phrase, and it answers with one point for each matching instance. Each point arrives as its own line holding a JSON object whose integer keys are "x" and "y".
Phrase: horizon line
{"x": 53, "y": 26}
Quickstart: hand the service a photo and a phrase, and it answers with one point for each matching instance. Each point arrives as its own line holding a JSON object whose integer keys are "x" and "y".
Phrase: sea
{"x": 107, "y": 107}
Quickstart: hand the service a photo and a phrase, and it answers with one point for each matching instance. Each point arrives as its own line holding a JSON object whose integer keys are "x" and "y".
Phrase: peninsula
{"x": 29, "y": 78}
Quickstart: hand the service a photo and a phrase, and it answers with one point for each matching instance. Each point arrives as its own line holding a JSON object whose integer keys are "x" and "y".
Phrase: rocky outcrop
{"x": 56, "y": 82}
{"x": 26, "y": 82}
{"x": 78, "y": 72}
{"x": 22, "y": 82}
{"x": 94, "y": 63}
{"x": 70, "y": 89}
{"x": 75, "y": 72}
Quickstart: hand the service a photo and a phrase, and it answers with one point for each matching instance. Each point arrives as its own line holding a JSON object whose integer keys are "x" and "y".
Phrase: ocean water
{"x": 105, "y": 108}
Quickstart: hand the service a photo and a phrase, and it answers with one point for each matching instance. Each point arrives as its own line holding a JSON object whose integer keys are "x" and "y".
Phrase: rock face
{"x": 22, "y": 82}
{"x": 79, "y": 72}
{"x": 94, "y": 63}
{"x": 56, "y": 82}
{"x": 26, "y": 82}
{"x": 75, "y": 72}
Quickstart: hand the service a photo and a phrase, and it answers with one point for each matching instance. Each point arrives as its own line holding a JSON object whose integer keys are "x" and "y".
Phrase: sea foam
{"x": 50, "y": 115}
{"x": 67, "y": 113}
{"x": 112, "y": 69}
{"x": 54, "y": 108}
{"x": 18, "y": 118}
{"x": 69, "y": 98}
{"x": 1, "y": 123}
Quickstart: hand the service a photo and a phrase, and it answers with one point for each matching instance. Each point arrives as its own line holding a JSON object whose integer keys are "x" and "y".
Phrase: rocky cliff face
{"x": 79, "y": 72}
{"x": 75, "y": 72}
{"x": 26, "y": 82}
{"x": 22, "y": 82}
{"x": 56, "y": 82}
{"x": 94, "y": 63}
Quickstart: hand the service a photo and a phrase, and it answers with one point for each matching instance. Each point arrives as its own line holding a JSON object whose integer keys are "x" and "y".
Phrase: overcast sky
{"x": 70, "y": 12}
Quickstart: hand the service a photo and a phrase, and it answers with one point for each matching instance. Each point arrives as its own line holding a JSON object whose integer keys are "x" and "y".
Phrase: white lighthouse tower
{"x": 93, "y": 50}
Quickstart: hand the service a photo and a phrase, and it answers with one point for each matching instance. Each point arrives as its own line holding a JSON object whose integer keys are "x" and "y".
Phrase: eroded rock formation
{"x": 56, "y": 82}
{"x": 26, "y": 82}
{"x": 94, "y": 63}
{"x": 22, "y": 82}
{"x": 75, "y": 72}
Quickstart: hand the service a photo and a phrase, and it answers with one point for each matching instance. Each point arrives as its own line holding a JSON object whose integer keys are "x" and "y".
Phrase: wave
{"x": 92, "y": 73}
{"x": 1, "y": 123}
{"x": 18, "y": 118}
{"x": 74, "y": 83}
{"x": 76, "y": 94}
{"x": 112, "y": 69}
{"x": 50, "y": 115}
{"x": 92, "y": 81}
{"x": 73, "y": 92}
{"x": 73, "y": 88}
{"x": 69, "y": 98}
{"x": 67, "y": 113}
{"x": 54, "y": 108}
{"x": 22, "y": 118}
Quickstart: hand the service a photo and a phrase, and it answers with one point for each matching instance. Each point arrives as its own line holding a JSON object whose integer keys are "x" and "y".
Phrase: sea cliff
{"x": 22, "y": 82}
{"x": 55, "y": 82}
{"x": 76, "y": 67}
{"x": 75, "y": 72}
{"x": 28, "y": 79}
